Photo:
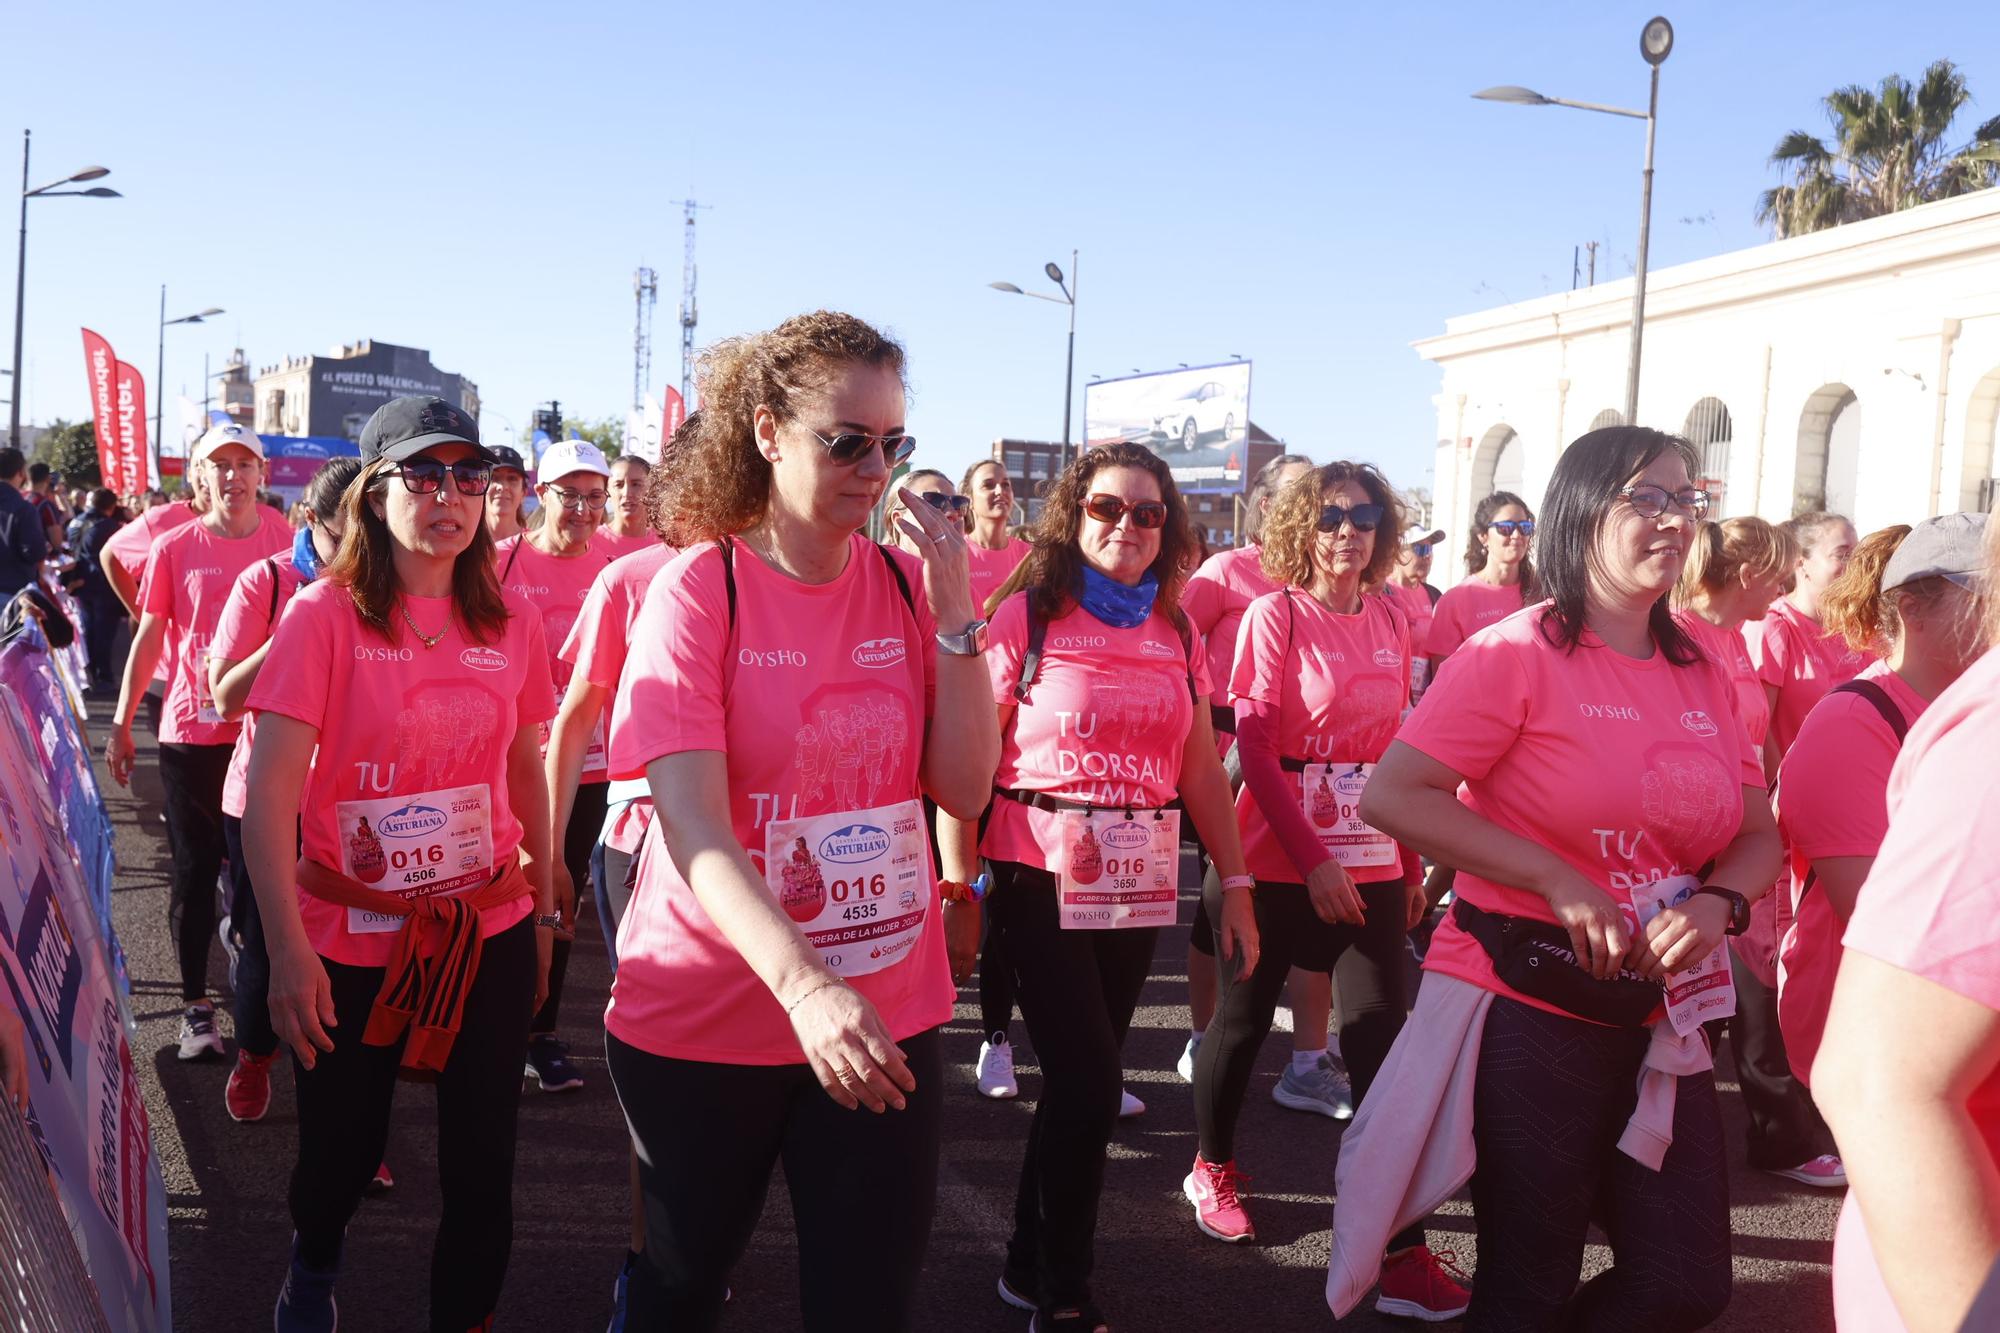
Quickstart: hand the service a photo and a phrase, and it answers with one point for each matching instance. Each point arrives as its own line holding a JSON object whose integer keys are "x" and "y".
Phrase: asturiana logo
{"x": 412, "y": 821}
{"x": 1154, "y": 648}
{"x": 1127, "y": 836}
{"x": 484, "y": 659}
{"x": 1388, "y": 657}
{"x": 878, "y": 653}
{"x": 856, "y": 842}
{"x": 1698, "y": 722}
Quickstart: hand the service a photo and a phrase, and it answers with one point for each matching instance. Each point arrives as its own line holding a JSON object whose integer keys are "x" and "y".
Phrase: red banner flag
{"x": 135, "y": 471}
{"x": 100, "y": 363}
{"x": 673, "y": 411}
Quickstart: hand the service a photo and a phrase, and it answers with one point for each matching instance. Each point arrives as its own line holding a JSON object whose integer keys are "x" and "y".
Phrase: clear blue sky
{"x": 1308, "y": 185}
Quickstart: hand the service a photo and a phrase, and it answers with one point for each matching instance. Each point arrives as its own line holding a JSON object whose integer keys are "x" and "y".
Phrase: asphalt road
{"x": 229, "y": 1227}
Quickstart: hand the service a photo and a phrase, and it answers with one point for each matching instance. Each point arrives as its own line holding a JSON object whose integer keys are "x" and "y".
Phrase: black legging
{"x": 1785, "y": 1128}
{"x": 586, "y": 819}
{"x": 1551, "y": 1097}
{"x": 1367, "y": 965}
{"x": 996, "y": 984}
{"x": 193, "y": 776}
{"x": 1077, "y": 990}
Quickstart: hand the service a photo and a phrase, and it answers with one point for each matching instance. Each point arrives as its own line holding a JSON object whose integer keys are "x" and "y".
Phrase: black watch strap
{"x": 1739, "y": 907}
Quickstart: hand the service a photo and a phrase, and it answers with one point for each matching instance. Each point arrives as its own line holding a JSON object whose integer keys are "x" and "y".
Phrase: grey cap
{"x": 1950, "y": 546}
{"x": 402, "y": 428}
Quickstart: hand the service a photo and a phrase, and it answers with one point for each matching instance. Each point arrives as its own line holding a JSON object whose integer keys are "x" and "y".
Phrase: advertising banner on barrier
{"x": 86, "y": 1112}
{"x": 100, "y": 365}
{"x": 1197, "y": 419}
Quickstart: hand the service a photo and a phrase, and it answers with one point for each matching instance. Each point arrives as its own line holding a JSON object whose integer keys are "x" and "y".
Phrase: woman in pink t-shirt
{"x": 1910, "y": 593}
{"x": 1909, "y": 1072}
{"x": 397, "y": 838}
{"x": 187, "y": 581}
{"x": 790, "y": 697}
{"x": 626, "y": 526}
{"x": 1500, "y": 576}
{"x": 1102, "y": 694}
{"x": 1613, "y": 810}
{"x": 1797, "y": 658}
{"x": 994, "y": 551}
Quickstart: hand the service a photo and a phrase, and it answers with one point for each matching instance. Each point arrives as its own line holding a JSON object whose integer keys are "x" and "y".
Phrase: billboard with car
{"x": 1197, "y": 419}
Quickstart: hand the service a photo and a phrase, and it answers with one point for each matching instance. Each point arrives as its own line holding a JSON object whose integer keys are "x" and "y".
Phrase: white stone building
{"x": 1856, "y": 370}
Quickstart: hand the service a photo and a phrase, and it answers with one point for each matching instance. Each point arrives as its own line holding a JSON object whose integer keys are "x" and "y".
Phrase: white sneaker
{"x": 995, "y": 1070}
{"x": 1129, "y": 1106}
{"x": 199, "y": 1039}
{"x": 229, "y": 946}
{"x": 1185, "y": 1065}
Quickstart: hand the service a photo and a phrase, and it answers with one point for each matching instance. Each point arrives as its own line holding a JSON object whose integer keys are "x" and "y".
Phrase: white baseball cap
{"x": 218, "y": 436}
{"x": 567, "y": 456}
{"x": 1429, "y": 536}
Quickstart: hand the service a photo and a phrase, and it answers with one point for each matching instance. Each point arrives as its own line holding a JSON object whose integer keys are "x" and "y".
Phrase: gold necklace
{"x": 430, "y": 640}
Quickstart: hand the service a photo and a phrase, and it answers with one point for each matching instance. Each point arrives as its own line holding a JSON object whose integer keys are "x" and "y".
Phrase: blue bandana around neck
{"x": 1115, "y": 604}
{"x": 305, "y": 556}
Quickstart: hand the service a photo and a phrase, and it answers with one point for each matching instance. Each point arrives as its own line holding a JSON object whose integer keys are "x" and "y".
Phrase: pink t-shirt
{"x": 187, "y": 581}
{"x": 255, "y": 603}
{"x": 1928, "y": 909}
{"x": 602, "y": 635}
{"x": 1792, "y": 652}
{"x": 1214, "y": 601}
{"x": 1339, "y": 684}
{"x": 1629, "y": 770}
{"x": 1105, "y": 722}
{"x": 991, "y": 568}
{"x": 614, "y": 547}
{"x": 132, "y": 545}
{"x": 1727, "y": 647}
{"x": 1466, "y": 608}
{"x": 1831, "y": 802}
{"x": 818, "y": 697}
{"x": 413, "y": 743}
{"x": 555, "y": 586}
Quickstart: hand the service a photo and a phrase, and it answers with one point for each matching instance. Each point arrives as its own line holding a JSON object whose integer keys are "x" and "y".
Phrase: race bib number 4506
{"x": 1119, "y": 871}
{"x": 415, "y": 846}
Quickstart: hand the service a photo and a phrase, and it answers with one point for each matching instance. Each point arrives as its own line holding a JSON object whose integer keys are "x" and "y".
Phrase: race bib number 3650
{"x": 858, "y": 883}
{"x": 1119, "y": 871}
{"x": 415, "y": 846}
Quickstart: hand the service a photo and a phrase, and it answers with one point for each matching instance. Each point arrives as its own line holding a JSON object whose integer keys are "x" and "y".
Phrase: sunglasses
{"x": 1652, "y": 501}
{"x": 1507, "y": 527}
{"x": 851, "y": 447}
{"x": 950, "y": 504}
{"x": 424, "y": 475}
{"x": 1108, "y": 509}
{"x": 1420, "y": 549}
{"x": 1363, "y": 517}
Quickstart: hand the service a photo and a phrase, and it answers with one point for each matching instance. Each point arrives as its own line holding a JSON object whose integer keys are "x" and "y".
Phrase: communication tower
{"x": 689, "y": 312}
{"x": 645, "y": 292}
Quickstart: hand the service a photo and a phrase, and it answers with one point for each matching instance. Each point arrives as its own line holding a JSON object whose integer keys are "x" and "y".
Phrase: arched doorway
{"x": 1829, "y": 456}
{"x": 1499, "y": 447}
{"x": 1610, "y": 416}
{"x": 1977, "y": 489}
{"x": 1709, "y": 429}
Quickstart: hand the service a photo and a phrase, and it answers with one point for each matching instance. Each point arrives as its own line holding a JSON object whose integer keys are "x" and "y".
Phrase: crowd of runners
{"x": 808, "y": 783}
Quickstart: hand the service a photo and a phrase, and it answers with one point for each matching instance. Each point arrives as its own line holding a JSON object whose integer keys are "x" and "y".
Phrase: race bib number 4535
{"x": 857, "y": 882}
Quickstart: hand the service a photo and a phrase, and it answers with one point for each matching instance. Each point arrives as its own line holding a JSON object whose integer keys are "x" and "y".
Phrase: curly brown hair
{"x": 722, "y": 482}
{"x": 366, "y": 564}
{"x": 1857, "y": 607}
{"x": 657, "y": 492}
{"x": 1292, "y": 527}
{"x": 1054, "y": 568}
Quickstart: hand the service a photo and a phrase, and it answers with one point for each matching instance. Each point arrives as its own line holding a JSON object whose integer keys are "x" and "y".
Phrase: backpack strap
{"x": 513, "y": 554}
{"x": 902, "y": 580}
{"x": 1031, "y": 661}
{"x": 1879, "y": 699}
{"x": 271, "y": 616}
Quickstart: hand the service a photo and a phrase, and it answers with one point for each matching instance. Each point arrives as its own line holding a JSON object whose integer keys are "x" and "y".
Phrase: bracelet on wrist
{"x": 953, "y": 891}
{"x": 1230, "y": 883}
{"x": 810, "y": 992}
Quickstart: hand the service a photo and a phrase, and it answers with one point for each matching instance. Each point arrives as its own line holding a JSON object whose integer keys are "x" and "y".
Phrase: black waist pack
{"x": 1535, "y": 958}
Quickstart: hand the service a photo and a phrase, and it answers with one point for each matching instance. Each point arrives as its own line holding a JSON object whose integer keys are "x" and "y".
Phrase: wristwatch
{"x": 553, "y": 920}
{"x": 1739, "y": 907}
{"x": 970, "y": 643}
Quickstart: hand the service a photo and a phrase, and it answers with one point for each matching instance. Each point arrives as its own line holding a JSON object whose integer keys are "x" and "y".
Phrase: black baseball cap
{"x": 502, "y": 456}
{"x": 402, "y": 428}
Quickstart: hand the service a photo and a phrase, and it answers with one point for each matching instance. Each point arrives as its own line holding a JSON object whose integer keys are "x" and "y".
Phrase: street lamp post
{"x": 160, "y": 366}
{"x": 1067, "y": 298}
{"x": 21, "y": 271}
{"x": 1656, "y": 43}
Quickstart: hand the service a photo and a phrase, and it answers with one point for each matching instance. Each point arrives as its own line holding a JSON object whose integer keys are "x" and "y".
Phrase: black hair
{"x": 1586, "y": 483}
{"x": 326, "y": 493}
{"x": 12, "y": 460}
{"x": 38, "y": 473}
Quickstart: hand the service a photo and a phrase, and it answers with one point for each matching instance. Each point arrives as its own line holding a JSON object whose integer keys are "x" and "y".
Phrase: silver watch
{"x": 970, "y": 643}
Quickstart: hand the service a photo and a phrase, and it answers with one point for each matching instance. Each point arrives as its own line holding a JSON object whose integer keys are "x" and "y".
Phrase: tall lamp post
{"x": 48, "y": 191}
{"x": 160, "y": 366}
{"x": 1067, "y": 298}
{"x": 1656, "y": 43}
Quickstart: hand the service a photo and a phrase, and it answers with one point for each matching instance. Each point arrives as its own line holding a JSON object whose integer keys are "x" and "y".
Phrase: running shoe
{"x": 995, "y": 1070}
{"x": 1185, "y": 1065}
{"x": 620, "y": 1286}
{"x": 381, "y": 1182}
{"x": 1069, "y": 1319}
{"x": 1015, "y": 1287}
{"x": 229, "y": 946}
{"x": 1323, "y": 1091}
{"x": 1823, "y": 1172}
{"x": 199, "y": 1039}
{"x": 1418, "y": 1284}
{"x": 1129, "y": 1106}
{"x": 1218, "y": 1207}
{"x": 548, "y": 1061}
{"x": 248, "y": 1092}
{"x": 305, "y": 1302}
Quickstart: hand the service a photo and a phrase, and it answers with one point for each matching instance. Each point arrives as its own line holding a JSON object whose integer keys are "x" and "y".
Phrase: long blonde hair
{"x": 1721, "y": 552}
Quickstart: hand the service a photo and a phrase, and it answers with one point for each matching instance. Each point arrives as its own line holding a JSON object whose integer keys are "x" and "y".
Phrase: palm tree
{"x": 1887, "y": 152}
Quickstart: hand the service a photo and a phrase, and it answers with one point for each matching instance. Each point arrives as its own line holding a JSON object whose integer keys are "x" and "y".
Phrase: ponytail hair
{"x": 1854, "y": 606}
{"x": 1721, "y": 552}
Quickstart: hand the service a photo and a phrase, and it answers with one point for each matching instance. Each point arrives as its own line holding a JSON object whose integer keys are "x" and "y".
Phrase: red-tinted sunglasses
{"x": 1108, "y": 509}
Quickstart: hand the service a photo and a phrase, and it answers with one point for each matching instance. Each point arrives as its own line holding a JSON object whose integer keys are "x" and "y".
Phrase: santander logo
{"x": 1698, "y": 722}
{"x": 877, "y": 653}
{"x": 484, "y": 659}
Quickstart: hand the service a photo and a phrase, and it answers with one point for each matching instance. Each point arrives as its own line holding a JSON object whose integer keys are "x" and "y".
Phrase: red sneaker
{"x": 1211, "y": 1188}
{"x": 1418, "y": 1284}
{"x": 248, "y": 1093}
{"x": 382, "y": 1181}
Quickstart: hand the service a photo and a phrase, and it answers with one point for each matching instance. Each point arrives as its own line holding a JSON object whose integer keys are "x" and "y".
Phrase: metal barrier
{"x": 43, "y": 1285}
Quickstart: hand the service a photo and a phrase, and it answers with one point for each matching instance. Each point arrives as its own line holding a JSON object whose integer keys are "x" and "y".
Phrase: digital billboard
{"x": 1197, "y": 419}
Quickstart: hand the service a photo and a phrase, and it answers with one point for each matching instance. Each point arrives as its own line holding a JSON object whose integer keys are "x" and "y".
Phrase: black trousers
{"x": 863, "y": 1186}
{"x": 101, "y": 619}
{"x": 344, "y": 1106}
{"x": 1785, "y": 1126}
{"x": 193, "y": 776}
{"x": 1552, "y": 1095}
{"x": 252, "y": 982}
{"x": 586, "y": 818}
{"x": 996, "y": 983}
{"x": 613, "y": 877}
{"x": 1077, "y": 990}
{"x": 1367, "y": 966}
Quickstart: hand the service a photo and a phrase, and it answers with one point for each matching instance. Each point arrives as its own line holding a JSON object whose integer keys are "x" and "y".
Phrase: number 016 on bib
{"x": 857, "y": 882}
{"x": 1119, "y": 871}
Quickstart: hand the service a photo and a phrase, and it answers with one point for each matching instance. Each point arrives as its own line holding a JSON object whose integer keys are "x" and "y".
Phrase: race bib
{"x": 1119, "y": 871}
{"x": 206, "y": 712}
{"x": 1332, "y": 796}
{"x": 1420, "y": 676}
{"x": 415, "y": 847}
{"x": 858, "y": 883}
{"x": 1699, "y": 993}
